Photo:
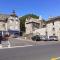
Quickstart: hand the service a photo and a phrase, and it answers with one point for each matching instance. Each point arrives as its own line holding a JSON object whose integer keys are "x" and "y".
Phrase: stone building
{"x": 9, "y": 23}
{"x": 13, "y": 23}
{"x": 52, "y": 28}
{"x": 3, "y": 22}
{"x": 32, "y": 24}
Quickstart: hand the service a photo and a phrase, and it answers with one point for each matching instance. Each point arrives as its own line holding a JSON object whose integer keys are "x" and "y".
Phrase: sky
{"x": 44, "y": 8}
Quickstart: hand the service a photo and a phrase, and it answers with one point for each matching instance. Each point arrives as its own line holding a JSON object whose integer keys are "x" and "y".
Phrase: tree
{"x": 23, "y": 19}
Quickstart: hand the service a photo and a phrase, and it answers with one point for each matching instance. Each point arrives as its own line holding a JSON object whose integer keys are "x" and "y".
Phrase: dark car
{"x": 1, "y": 37}
{"x": 36, "y": 38}
{"x": 4, "y": 36}
{"x": 16, "y": 35}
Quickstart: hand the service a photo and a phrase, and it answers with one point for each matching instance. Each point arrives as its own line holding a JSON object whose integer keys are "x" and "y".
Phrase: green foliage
{"x": 23, "y": 18}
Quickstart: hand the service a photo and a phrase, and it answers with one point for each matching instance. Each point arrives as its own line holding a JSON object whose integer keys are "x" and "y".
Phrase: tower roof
{"x": 13, "y": 14}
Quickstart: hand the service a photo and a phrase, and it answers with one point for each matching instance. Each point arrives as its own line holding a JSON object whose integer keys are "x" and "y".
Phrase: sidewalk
{"x": 21, "y": 42}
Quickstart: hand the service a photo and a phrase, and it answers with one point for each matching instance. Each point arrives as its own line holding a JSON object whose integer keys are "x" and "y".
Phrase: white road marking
{"x": 15, "y": 47}
{"x": 58, "y": 58}
{"x": 55, "y": 58}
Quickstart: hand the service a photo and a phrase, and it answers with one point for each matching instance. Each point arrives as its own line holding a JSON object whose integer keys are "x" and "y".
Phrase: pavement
{"x": 17, "y": 42}
{"x": 42, "y": 52}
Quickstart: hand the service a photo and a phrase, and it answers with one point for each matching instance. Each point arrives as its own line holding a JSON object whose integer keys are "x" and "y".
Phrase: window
{"x": 16, "y": 27}
{"x": 44, "y": 26}
{"x": 53, "y": 29}
{"x": 3, "y": 25}
{"x": 53, "y": 22}
{"x": 53, "y": 34}
{"x": 12, "y": 19}
{"x": 46, "y": 33}
{"x": 12, "y": 27}
{"x": 35, "y": 25}
{"x": 17, "y": 20}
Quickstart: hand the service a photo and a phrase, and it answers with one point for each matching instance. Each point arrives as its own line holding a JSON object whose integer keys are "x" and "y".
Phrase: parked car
{"x": 53, "y": 38}
{"x": 44, "y": 38}
{"x": 16, "y": 36}
{"x": 33, "y": 38}
{"x": 1, "y": 37}
{"x": 36, "y": 38}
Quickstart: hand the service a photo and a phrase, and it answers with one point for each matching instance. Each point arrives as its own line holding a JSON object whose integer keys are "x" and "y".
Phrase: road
{"x": 43, "y": 52}
{"x": 20, "y": 42}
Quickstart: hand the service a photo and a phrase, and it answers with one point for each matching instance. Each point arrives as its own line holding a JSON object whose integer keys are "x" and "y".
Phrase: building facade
{"x": 9, "y": 23}
{"x": 41, "y": 31}
{"x": 32, "y": 24}
{"x": 13, "y": 23}
{"x": 52, "y": 28}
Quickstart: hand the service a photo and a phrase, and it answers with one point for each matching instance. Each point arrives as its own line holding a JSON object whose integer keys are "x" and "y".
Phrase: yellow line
{"x": 53, "y": 59}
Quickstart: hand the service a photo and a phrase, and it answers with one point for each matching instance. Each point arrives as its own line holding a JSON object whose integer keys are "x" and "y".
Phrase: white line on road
{"x": 58, "y": 58}
{"x": 16, "y": 46}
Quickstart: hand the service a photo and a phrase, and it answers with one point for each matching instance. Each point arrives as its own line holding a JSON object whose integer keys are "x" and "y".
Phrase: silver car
{"x": 44, "y": 38}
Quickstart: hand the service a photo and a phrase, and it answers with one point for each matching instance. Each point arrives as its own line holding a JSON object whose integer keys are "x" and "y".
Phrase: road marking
{"x": 55, "y": 58}
{"x": 16, "y": 46}
{"x": 58, "y": 58}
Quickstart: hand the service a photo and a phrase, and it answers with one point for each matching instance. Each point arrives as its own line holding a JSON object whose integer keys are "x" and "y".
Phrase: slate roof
{"x": 57, "y": 18}
{"x": 3, "y": 16}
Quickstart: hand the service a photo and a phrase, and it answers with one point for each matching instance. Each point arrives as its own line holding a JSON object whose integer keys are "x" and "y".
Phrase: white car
{"x": 53, "y": 38}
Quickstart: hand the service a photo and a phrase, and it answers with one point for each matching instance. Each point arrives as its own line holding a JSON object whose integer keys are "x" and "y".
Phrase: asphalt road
{"x": 43, "y": 52}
